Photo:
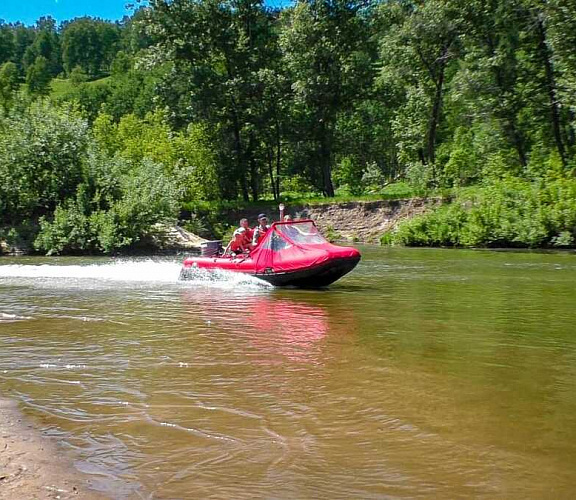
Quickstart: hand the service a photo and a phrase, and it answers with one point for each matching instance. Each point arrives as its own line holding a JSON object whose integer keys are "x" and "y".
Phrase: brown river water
{"x": 423, "y": 374}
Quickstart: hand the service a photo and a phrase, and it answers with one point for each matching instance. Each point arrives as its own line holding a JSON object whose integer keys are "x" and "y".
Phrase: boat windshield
{"x": 276, "y": 243}
{"x": 302, "y": 233}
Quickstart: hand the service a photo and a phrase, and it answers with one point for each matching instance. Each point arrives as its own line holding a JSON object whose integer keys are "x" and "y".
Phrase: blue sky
{"x": 28, "y": 11}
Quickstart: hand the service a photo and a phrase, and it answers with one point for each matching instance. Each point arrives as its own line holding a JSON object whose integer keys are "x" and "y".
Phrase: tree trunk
{"x": 278, "y": 159}
{"x": 270, "y": 154}
{"x": 435, "y": 117}
{"x": 254, "y": 179}
{"x": 551, "y": 88}
{"x": 571, "y": 136}
{"x": 253, "y": 169}
{"x": 507, "y": 115}
{"x": 240, "y": 171}
{"x": 325, "y": 162}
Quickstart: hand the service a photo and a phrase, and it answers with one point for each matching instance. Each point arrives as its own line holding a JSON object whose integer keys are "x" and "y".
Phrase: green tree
{"x": 116, "y": 207}
{"x": 8, "y": 84}
{"x": 418, "y": 46}
{"x": 46, "y": 44}
{"x": 78, "y": 76}
{"x": 38, "y": 77}
{"x": 42, "y": 153}
{"x": 6, "y": 42}
{"x": 491, "y": 76}
{"x": 324, "y": 50}
{"x": 90, "y": 44}
{"x": 538, "y": 21}
{"x": 217, "y": 49}
{"x": 23, "y": 38}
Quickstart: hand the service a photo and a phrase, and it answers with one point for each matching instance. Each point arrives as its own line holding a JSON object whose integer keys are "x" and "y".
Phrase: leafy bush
{"x": 42, "y": 157}
{"x": 188, "y": 156}
{"x": 119, "y": 211}
{"x": 349, "y": 174}
{"x": 506, "y": 213}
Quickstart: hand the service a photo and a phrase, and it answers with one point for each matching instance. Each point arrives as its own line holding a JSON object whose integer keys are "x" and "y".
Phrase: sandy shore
{"x": 32, "y": 466}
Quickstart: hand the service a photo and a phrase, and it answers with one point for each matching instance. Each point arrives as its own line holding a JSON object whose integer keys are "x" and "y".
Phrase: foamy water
{"x": 127, "y": 271}
{"x": 132, "y": 270}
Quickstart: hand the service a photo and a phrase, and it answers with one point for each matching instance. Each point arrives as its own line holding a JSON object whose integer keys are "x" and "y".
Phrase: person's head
{"x": 287, "y": 218}
{"x": 262, "y": 219}
{"x": 239, "y": 234}
{"x": 244, "y": 223}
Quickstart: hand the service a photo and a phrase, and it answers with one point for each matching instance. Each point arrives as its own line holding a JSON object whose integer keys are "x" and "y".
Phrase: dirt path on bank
{"x": 32, "y": 466}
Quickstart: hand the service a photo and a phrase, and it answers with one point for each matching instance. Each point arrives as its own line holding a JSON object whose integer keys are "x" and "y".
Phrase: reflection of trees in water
{"x": 274, "y": 325}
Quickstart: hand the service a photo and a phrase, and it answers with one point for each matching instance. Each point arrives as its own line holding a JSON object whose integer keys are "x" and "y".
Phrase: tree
{"x": 8, "y": 84}
{"x": 46, "y": 44}
{"x": 23, "y": 38}
{"x": 493, "y": 71}
{"x": 90, "y": 44}
{"x": 42, "y": 152}
{"x": 420, "y": 42}
{"x": 38, "y": 77}
{"x": 324, "y": 50}
{"x": 217, "y": 49}
{"x": 538, "y": 16}
{"x": 78, "y": 76}
{"x": 561, "y": 24}
{"x": 6, "y": 42}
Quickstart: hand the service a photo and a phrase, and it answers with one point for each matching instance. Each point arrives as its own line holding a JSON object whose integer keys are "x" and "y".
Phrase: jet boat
{"x": 291, "y": 253}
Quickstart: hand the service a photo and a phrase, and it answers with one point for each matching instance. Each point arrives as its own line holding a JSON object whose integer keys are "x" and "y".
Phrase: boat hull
{"x": 315, "y": 277}
{"x": 311, "y": 277}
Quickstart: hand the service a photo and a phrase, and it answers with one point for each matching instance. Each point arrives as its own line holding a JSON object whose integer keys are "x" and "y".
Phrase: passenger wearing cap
{"x": 237, "y": 245}
{"x": 261, "y": 229}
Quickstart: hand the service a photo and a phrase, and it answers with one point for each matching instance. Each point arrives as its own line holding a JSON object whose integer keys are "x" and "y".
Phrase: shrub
{"x": 42, "y": 158}
{"x": 118, "y": 212}
{"x": 508, "y": 213}
{"x": 349, "y": 174}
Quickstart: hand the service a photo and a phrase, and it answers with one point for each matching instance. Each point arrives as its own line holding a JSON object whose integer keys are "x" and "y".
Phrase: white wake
{"x": 131, "y": 270}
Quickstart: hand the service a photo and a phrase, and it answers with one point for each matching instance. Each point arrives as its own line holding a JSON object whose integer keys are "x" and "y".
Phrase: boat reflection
{"x": 276, "y": 327}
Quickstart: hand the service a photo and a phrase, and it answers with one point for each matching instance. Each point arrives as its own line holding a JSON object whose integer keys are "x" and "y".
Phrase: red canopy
{"x": 288, "y": 246}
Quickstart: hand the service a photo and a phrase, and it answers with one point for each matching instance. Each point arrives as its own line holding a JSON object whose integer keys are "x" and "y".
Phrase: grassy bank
{"x": 61, "y": 87}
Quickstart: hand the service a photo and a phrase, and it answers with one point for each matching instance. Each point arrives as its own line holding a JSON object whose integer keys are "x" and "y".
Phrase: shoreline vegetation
{"x": 110, "y": 130}
{"x": 510, "y": 214}
{"x": 32, "y": 466}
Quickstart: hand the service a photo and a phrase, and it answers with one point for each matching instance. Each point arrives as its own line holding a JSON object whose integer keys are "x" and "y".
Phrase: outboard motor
{"x": 211, "y": 248}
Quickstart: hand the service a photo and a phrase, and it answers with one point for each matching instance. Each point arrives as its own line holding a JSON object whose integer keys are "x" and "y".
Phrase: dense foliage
{"x": 505, "y": 213}
{"x": 227, "y": 99}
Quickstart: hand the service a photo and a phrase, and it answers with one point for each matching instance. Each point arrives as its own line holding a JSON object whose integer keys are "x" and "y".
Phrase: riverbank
{"x": 32, "y": 466}
{"x": 163, "y": 240}
{"x": 359, "y": 221}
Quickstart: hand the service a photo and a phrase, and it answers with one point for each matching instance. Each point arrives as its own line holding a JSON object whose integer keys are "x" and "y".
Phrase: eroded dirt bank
{"x": 32, "y": 466}
{"x": 364, "y": 221}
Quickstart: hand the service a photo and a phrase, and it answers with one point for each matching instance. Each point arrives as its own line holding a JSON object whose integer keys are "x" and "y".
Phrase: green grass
{"x": 61, "y": 87}
{"x": 397, "y": 191}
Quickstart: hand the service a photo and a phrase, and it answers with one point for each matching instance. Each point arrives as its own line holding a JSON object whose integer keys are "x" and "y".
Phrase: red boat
{"x": 291, "y": 253}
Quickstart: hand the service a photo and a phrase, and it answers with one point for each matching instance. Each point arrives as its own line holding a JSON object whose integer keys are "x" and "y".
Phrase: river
{"x": 424, "y": 373}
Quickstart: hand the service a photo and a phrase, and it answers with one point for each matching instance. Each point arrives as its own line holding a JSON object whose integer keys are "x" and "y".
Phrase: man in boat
{"x": 248, "y": 233}
{"x": 261, "y": 229}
